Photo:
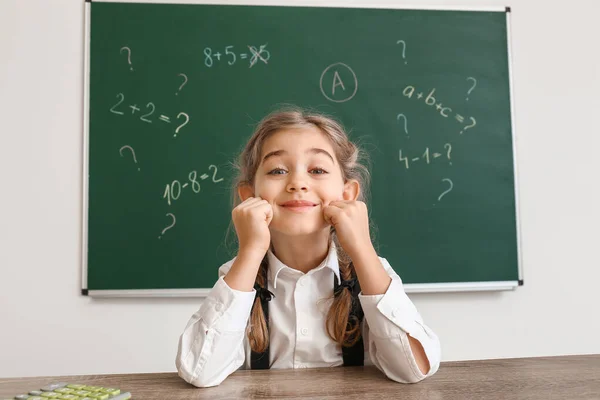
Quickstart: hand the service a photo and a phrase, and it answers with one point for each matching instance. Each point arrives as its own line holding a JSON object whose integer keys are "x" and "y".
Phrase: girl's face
{"x": 298, "y": 175}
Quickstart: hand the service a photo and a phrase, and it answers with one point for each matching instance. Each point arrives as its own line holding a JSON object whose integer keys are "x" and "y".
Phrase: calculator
{"x": 72, "y": 391}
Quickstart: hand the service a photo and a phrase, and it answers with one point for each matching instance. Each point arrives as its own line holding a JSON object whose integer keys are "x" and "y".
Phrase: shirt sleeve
{"x": 389, "y": 318}
{"x": 212, "y": 344}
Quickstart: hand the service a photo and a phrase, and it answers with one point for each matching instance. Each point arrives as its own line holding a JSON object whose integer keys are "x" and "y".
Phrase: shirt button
{"x": 218, "y": 306}
{"x": 395, "y": 313}
{"x": 300, "y": 283}
{"x": 304, "y": 331}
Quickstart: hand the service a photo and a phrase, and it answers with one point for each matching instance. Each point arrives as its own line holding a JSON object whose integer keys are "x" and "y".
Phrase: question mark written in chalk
{"x": 469, "y": 126}
{"x": 132, "y": 152}
{"x": 128, "y": 55}
{"x": 187, "y": 119}
{"x": 449, "y": 189}
{"x": 405, "y": 121}
{"x": 183, "y": 84}
{"x": 449, "y": 147}
{"x": 472, "y": 87}
{"x": 168, "y": 227}
{"x": 403, "y": 50}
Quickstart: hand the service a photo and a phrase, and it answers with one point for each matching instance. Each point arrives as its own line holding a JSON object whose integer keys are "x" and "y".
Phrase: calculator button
{"x": 76, "y": 387}
{"x": 92, "y": 388}
{"x": 111, "y": 391}
{"x": 54, "y": 386}
{"x": 99, "y": 396}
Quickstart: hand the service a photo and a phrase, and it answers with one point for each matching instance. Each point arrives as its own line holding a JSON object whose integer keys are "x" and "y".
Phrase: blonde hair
{"x": 350, "y": 159}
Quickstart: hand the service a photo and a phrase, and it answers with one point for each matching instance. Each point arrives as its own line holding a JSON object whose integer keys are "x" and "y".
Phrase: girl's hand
{"x": 251, "y": 219}
{"x": 351, "y": 222}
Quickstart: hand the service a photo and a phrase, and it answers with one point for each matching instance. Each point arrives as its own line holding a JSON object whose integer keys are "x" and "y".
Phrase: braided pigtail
{"x": 258, "y": 333}
{"x": 342, "y": 327}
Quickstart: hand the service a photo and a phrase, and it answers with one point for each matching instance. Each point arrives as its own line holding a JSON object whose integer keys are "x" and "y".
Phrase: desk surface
{"x": 566, "y": 377}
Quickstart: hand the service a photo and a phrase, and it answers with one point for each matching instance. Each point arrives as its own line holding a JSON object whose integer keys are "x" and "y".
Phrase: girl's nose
{"x": 296, "y": 187}
{"x": 296, "y": 184}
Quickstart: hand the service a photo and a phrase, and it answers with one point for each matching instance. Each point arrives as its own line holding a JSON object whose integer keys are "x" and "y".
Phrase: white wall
{"x": 48, "y": 328}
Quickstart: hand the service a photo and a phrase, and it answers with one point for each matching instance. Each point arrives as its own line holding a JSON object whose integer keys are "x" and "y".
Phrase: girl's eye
{"x": 277, "y": 171}
{"x": 281, "y": 171}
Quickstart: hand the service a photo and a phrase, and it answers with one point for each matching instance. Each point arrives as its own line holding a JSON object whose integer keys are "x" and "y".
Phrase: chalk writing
{"x": 427, "y": 156}
{"x": 261, "y": 54}
{"x": 173, "y": 190}
{"x": 150, "y": 109}
{"x": 443, "y": 110}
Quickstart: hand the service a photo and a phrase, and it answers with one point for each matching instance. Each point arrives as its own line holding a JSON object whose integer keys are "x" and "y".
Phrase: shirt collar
{"x": 330, "y": 261}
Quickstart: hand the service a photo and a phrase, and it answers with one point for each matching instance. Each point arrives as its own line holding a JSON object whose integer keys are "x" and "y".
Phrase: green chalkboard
{"x": 173, "y": 93}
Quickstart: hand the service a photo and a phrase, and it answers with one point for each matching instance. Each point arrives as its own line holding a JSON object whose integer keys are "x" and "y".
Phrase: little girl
{"x": 307, "y": 288}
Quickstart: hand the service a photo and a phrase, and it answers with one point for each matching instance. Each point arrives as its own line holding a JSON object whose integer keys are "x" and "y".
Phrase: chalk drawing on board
{"x": 337, "y": 81}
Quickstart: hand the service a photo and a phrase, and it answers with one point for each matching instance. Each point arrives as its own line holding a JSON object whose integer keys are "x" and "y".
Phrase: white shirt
{"x": 214, "y": 343}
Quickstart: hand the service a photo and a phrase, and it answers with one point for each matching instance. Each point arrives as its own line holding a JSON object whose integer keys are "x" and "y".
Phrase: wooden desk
{"x": 544, "y": 378}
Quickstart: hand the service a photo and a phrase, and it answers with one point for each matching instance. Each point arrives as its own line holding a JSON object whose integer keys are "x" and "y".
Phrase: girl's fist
{"x": 251, "y": 219}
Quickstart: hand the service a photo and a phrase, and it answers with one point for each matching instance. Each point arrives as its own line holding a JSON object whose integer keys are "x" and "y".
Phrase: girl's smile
{"x": 299, "y": 206}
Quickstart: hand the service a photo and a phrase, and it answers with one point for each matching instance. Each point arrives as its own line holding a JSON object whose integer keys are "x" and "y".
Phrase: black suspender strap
{"x": 353, "y": 355}
{"x": 261, "y": 360}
